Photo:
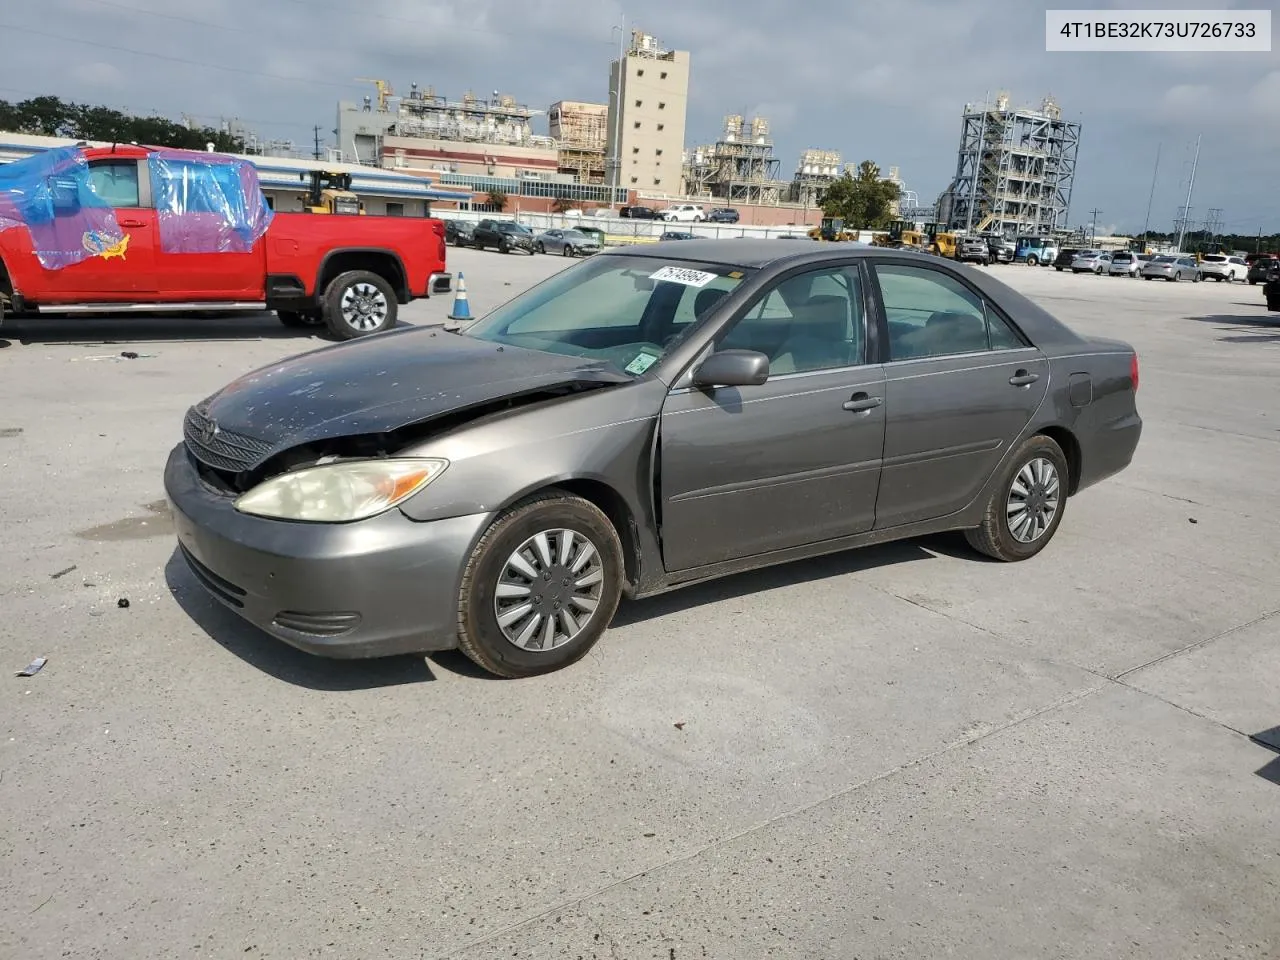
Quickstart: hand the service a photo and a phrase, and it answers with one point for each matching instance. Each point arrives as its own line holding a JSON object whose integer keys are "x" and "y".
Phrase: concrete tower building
{"x": 648, "y": 96}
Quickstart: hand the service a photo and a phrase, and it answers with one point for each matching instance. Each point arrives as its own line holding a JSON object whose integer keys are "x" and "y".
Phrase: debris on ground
{"x": 680, "y": 725}
{"x": 62, "y": 573}
{"x": 123, "y": 603}
{"x": 1192, "y": 520}
{"x": 32, "y": 668}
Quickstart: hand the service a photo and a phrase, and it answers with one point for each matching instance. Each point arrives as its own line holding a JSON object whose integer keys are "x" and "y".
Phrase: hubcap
{"x": 548, "y": 590}
{"x": 363, "y": 306}
{"x": 1033, "y": 500}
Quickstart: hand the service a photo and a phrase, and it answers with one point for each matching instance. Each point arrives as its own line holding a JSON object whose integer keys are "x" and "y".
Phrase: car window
{"x": 931, "y": 314}
{"x": 617, "y": 309}
{"x": 807, "y": 322}
{"x": 116, "y": 182}
{"x": 1214, "y": 258}
{"x": 696, "y": 301}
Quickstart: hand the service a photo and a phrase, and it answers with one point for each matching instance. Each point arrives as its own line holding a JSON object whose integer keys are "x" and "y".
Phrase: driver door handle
{"x": 862, "y": 403}
{"x": 1022, "y": 378}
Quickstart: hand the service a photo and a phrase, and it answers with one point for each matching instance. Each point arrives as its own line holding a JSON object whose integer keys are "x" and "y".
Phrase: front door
{"x": 794, "y": 461}
{"x": 961, "y": 384}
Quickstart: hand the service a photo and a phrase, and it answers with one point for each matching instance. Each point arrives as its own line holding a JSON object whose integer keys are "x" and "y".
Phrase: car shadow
{"x": 791, "y": 574}
{"x": 278, "y": 659}
{"x": 127, "y": 329}
{"x": 1271, "y": 740}
{"x": 1266, "y": 329}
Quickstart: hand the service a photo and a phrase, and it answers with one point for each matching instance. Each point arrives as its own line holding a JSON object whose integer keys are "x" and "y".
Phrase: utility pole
{"x": 1093, "y": 226}
{"x": 316, "y": 131}
{"x": 1146, "y": 224}
{"x": 617, "y": 105}
{"x": 1182, "y": 233}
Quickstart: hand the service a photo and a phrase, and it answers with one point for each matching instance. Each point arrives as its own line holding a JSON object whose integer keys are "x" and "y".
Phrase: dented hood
{"x": 382, "y": 383}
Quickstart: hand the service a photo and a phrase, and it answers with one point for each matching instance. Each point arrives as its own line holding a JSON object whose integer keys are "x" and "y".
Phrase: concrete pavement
{"x": 904, "y": 751}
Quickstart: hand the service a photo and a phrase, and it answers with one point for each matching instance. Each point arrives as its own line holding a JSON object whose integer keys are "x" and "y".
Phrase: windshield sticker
{"x": 641, "y": 363}
{"x": 690, "y": 278}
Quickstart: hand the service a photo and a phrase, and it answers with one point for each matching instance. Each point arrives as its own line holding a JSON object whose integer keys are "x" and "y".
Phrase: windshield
{"x": 513, "y": 228}
{"x": 1214, "y": 258}
{"x": 1123, "y": 256}
{"x": 624, "y": 310}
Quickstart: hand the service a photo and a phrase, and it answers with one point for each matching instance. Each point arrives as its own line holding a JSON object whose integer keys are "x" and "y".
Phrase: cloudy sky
{"x": 883, "y": 80}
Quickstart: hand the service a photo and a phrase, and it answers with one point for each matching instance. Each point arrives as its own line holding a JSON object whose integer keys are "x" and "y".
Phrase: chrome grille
{"x": 221, "y": 449}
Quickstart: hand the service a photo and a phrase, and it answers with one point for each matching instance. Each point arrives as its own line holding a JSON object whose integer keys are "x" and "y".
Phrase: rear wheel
{"x": 358, "y": 303}
{"x": 1025, "y": 509}
{"x": 540, "y": 587}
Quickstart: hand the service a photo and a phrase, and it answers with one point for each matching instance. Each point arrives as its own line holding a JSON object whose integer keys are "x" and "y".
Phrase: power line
{"x": 169, "y": 16}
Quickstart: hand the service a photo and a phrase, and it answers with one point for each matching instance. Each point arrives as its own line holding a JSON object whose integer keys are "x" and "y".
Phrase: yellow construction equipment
{"x": 330, "y": 192}
{"x": 384, "y": 90}
{"x": 832, "y": 230}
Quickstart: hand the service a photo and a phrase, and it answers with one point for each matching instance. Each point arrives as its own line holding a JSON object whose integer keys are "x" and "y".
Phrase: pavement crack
{"x": 1196, "y": 645}
{"x": 959, "y": 744}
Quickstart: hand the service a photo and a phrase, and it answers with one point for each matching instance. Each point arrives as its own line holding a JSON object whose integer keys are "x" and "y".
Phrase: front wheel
{"x": 1196, "y": 278}
{"x": 1033, "y": 261}
{"x": 540, "y": 248}
{"x": 540, "y": 587}
{"x": 1025, "y": 509}
{"x": 358, "y": 303}
{"x": 566, "y": 251}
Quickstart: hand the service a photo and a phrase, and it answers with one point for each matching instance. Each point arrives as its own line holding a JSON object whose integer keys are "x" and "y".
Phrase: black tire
{"x": 566, "y": 251}
{"x": 541, "y": 248}
{"x": 502, "y": 247}
{"x": 351, "y": 324}
{"x": 1196, "y": 278}
{"x": 296, "y": 320}
{"x": 1033, "y": 261}
{"x": 1059, "y": 269}
{"x": 994, "y": 537}
{"x": 481, "y": 637}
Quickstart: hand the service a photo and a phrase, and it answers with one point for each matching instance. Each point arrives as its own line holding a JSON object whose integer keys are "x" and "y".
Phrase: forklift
{"x": 330, "y": 192}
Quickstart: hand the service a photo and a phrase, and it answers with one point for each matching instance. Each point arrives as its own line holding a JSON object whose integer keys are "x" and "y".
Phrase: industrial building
{"x": 581, "y": 133}
{"x": 1014, "y": 170}
{"x": 739, "y": 168}
{"x": 814, "y": 173}
{"x": 648, "y": 96}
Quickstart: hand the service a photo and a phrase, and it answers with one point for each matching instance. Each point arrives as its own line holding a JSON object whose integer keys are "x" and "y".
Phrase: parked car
{"x": 972, "y": 250}
{"x": 1260, "y": 267}
{"x": 1000, "y": 249}
{"x": 567, "y": 243}
{"x": 723, "y": 215}
{"x": 150, "y": 228}
{"x": 684, "y": 213}
{"x": 1171, "y": 267}
{"x": 677, "y": 235}
{"x": 1063, "y": 260}
{"x": 459, "y": 232}
{"x": 639, "y": 213}
{"x": 1125, "y": 263}
{"x": 1091, "y": 261}
{"x": 1271, "y": 289}
{"x": 503, "y": 235}
{"x": 593, "y": 233}
{"x": 497, "y": 489}
{"x": 1220, "y": 266}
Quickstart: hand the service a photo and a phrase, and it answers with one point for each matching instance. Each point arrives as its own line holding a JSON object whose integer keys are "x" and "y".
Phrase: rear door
{"x": 961, "y": 383}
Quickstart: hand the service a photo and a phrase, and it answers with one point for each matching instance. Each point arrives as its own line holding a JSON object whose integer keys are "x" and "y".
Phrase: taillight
{"x": 1133, "y": 372}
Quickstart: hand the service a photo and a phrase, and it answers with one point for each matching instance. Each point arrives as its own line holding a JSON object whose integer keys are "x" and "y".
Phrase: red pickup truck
{"x": 88, "y": 230}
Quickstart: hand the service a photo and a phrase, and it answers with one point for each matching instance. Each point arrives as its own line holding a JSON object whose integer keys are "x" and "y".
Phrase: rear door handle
{"x": 132, "y": 223}
{"x": 862, "y": 403}
{"x": 1022, "y": 378}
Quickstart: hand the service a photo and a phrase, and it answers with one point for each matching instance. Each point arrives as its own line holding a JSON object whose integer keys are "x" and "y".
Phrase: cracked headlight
{"x": 340, "y": 492}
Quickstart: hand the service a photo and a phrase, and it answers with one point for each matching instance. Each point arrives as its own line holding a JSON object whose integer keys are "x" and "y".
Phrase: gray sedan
{"x": 1171, "y": 268}
{"x": 649, "y": 418}
{"x": 568, "y": 243}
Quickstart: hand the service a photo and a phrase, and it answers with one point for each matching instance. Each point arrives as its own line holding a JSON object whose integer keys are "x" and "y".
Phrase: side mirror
{"x": 732, "y": 368}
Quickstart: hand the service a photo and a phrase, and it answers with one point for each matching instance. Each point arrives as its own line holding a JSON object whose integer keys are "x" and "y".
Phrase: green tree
{"x": 53, "y": 117}
{"x": 497, "y": 198}
{"x": 862, "y": 201}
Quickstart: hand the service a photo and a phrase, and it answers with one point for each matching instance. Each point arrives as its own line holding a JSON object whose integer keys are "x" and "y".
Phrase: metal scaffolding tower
{"x": 737, "y": 168}
{"x": 1014, "y": 170}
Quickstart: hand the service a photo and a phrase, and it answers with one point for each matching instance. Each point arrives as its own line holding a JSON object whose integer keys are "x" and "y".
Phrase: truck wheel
{"x": 1033, "y": 261}
{"x": 297, "y": 320}
{"x": 358, "y": 303}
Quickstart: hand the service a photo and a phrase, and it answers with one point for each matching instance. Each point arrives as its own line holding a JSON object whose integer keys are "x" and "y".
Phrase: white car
{"x": 684, "y": 213}
{"x": 1091, "y": 261}
{"x": 1221, "y": 267}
